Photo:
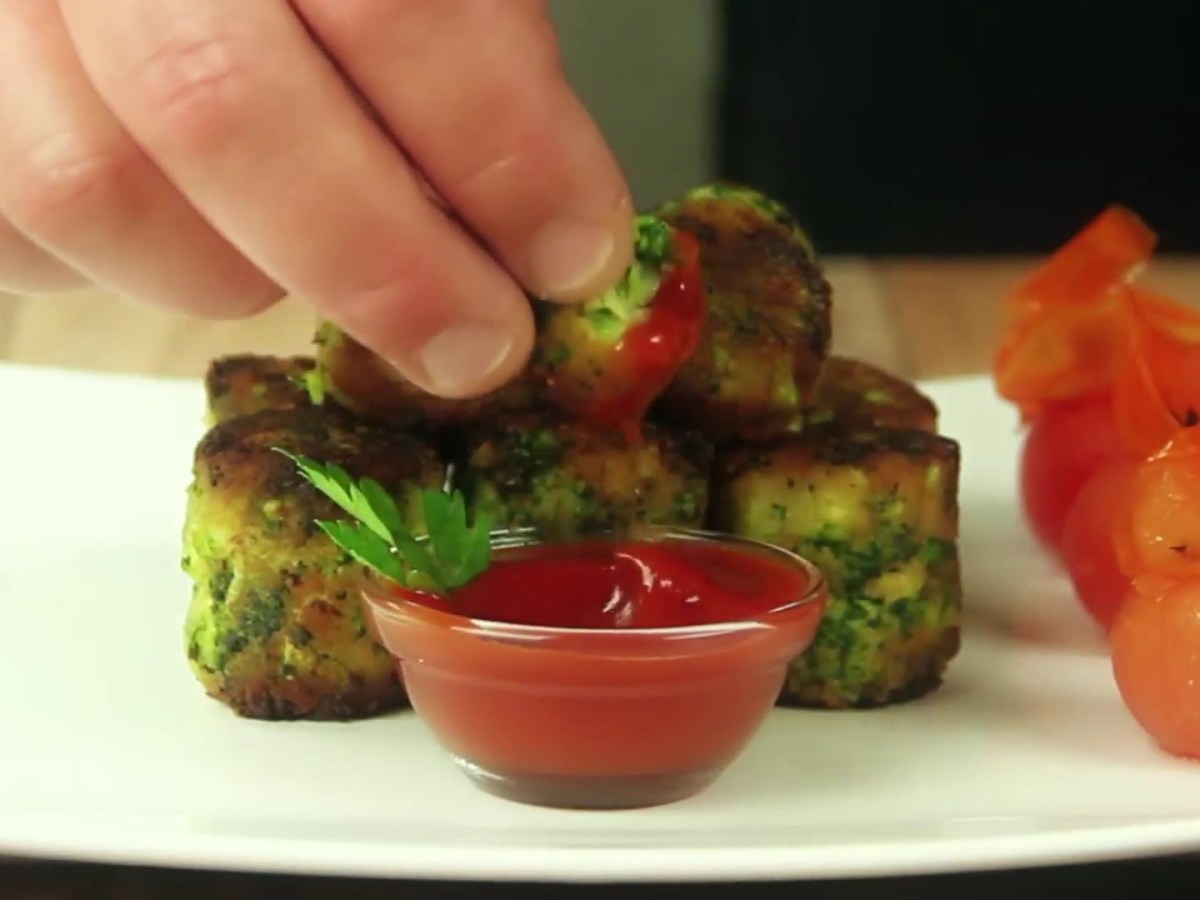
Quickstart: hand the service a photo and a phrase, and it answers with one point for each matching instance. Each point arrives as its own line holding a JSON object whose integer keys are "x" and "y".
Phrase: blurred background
{"x": 906, "y": 126}
{"x": 649, "y": 72}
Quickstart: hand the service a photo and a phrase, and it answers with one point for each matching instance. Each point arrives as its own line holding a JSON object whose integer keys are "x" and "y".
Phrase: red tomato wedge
{"x": 1063, "y": 331}
{"x": 1161, "y": 531}
{"x": 1058, "y": 354}
{"x": 1166, "y": 316}
{"x": 1142, "y": 417}
{"x": 1155, "y": 646}
{"x": 1156, "y": 389}
{"x": 1108, "y": 251}
{"x": 1088, "y": 549}
{"x": 1064, "y": 445}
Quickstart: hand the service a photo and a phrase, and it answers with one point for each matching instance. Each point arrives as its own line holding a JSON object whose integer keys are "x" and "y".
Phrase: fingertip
{"x": 470, "y": 359}
{"x": 236, "y": 302}
{"x": 465, "y": 346}
{"x": 575, "y": 257}
{"x": 258, "y": 302}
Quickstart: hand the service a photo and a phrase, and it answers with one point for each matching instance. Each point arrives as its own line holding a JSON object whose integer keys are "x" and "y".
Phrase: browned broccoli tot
{"x": 877, "y": 511}
{"x": 569, "y": 479}
{"x": 855, "y": 394}
{"x": 768, "y": 326}
{"x": 607, "y": 359}
{"x": 276, "y": 629}
{"x": 243, "y": 383}
{"x": 362, "y": 381}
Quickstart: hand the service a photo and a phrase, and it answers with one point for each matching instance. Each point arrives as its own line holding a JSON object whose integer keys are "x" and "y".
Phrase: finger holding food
{"x": 605, "y": 361}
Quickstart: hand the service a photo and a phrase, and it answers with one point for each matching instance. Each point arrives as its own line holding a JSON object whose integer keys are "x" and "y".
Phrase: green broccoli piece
{"x": 653, "y": 244}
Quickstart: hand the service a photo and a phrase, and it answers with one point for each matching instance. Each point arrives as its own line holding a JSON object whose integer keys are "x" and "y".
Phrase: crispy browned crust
{"x": 264, "y": 696}
{"x": 856, "y": 394}
{"x": 768, "y": 328}
{"x": 925, "y": 674}
{"x": 572, "y": 478}
{"x": 362, "y": 381}
{"x": 877, "y": 510}
{"x": 237, "y": 457}
{"x": 291, "y": 633}
{"x": 244, "y": 383}
{"x": 886, "y": 455}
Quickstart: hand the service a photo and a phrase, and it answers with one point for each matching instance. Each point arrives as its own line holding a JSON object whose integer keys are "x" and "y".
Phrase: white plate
{"x": 110, "y": 750}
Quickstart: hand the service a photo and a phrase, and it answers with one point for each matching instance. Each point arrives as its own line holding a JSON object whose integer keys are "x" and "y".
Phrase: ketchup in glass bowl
{"x": 608, "y": 672}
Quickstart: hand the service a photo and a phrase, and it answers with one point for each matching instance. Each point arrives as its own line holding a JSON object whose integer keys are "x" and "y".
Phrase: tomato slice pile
{"x": 1102, "y": 579}
{"x": 1064, "y": 343}
{"x": 1064, "y": 445}
{"x": 1106, "y": 376}
{"x": 1060, "y": 342}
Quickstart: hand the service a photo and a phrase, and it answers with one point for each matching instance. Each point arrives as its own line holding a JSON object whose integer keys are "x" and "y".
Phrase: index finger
{"x": 474, "y": 92}
{"x": 255, "y": 125}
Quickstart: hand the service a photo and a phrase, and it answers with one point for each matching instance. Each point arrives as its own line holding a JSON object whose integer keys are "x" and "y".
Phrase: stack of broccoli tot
{"x": 761, "y": 432}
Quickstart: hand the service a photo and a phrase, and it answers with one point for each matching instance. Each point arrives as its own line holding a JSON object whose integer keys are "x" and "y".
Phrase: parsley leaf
{"x": 337, "y": 484}
{"x": 455, "y": 552}
{"x": 365, "y": 546}
{"x": 461, "y": 552}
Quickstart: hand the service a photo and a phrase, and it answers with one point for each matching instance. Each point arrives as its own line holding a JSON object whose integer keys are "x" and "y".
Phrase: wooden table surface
{"x": 921, "y": 318}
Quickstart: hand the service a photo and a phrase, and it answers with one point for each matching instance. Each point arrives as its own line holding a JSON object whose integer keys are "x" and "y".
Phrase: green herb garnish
{"x": 312, "y": 383}
{"x": 652, "y": 242}
{"x": 454, "y": 554}
{"x": 653, "y": 252}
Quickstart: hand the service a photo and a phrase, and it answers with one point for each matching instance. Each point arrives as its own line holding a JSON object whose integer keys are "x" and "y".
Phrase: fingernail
{"x": 568, "y": 254}
{"x": 461, "y": 357}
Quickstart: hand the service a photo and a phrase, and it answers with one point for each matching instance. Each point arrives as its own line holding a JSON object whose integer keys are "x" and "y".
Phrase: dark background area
{"x": 894, "y": 126}
{"x": 1113, "y": 881}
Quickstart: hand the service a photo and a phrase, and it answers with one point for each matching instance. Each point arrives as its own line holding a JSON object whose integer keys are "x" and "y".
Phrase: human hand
{"x": 407, "y": 166}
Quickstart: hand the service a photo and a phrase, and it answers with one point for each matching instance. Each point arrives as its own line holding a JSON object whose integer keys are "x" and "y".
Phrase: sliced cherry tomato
{"x": 1156, "y": 389}
{"x": 1063, "y": 332}
{"x": 1088, "y": 550}
{"x": 1108, "y": 251}
{"x": 1122, "y": 538}
{"x": 1143, "y": 419}
{"x": 1064, "y": 445}
{"x": 1166, "y": 316}
{"x": 1162, "y": 528}
{"x": 1058, "y": 354}
{"x": 1155, "y": 396}
{"x": 1155, "y": 646}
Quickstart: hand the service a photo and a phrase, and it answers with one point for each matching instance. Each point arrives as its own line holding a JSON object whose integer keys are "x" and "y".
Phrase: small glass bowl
{"x": 595, "y": 718}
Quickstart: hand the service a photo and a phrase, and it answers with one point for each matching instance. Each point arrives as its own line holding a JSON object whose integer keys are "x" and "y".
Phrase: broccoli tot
{"x": 877, "y": 511}
{"x": 607, "y": 359}
{"x": 572, "y": 479}
{"x": 360, "y": 380}
{"x": 240, "y": 384}
{"x": 276, "y": 629}
{"x": 855, "y": 394}
{"x": 768, "y": 318}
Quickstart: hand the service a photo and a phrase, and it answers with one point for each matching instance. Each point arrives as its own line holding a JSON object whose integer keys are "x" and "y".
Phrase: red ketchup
{"x": 642, "y": 364}
{"x": 605, "y": 673}
{"x": 605, "y": 584}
